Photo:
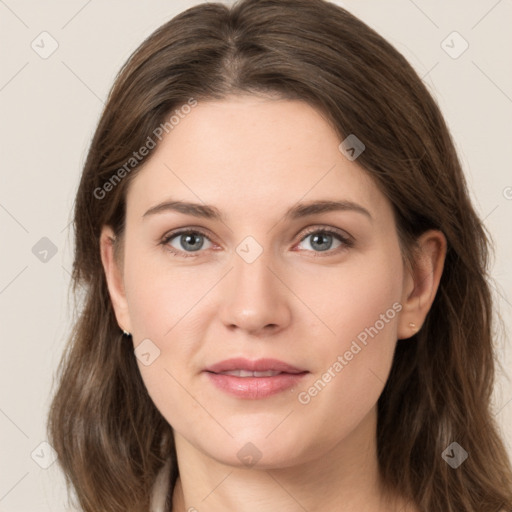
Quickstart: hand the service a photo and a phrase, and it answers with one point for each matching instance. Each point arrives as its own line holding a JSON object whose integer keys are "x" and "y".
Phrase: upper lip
{"x": 257, "y": 365}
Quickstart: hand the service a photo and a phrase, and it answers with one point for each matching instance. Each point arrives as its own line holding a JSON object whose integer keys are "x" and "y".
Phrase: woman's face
{"x": 308, "y": 297}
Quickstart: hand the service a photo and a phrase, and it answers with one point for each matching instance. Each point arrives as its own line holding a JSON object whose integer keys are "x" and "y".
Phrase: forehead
{"x": 245, "y": 152}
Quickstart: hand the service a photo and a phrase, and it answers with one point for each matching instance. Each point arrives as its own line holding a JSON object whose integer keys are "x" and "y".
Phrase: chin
{"x": 255, "y": 448}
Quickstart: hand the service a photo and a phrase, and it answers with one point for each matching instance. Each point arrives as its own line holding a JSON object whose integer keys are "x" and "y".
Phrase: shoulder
{"x": 161, "y": 488}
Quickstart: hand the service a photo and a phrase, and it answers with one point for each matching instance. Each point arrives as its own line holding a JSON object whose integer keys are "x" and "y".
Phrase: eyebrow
{"x": 295, "y": 212}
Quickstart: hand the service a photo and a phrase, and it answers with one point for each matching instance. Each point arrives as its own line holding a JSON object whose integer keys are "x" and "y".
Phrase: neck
{"x": 345, "y": 479}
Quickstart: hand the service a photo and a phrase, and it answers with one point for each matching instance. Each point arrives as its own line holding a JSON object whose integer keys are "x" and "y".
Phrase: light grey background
{"x": 49, "y": 110}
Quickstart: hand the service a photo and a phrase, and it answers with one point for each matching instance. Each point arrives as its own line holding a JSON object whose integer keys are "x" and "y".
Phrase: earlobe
{"x": 421, "y": 282}
{"x": 114, "y": 277}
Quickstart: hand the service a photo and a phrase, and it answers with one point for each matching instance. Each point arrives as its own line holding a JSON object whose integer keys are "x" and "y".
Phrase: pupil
{"x": 190, "y": 244}
{"x": 323, "y": 237}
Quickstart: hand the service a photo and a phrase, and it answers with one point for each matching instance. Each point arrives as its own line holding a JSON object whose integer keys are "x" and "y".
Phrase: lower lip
{"x": 254, "y": 388}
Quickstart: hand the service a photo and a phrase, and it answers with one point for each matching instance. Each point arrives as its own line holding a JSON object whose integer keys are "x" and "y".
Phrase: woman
{"x": 286, "y": 301}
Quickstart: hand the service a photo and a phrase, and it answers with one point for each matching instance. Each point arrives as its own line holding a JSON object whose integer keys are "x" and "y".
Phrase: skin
{"x": 253, "y": 158}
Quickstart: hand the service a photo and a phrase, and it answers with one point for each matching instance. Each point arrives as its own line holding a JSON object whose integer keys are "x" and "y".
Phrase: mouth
{"x": 241, "y": 364}
{"x": 254, "y": 379}
{"x": 247, "y": 373}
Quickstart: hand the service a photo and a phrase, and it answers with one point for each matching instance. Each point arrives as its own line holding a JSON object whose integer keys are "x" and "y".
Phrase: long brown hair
{"x": 110, "y": 438}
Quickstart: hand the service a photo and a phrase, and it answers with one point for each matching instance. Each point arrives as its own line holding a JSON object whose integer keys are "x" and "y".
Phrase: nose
{"x": 255, "y": 298}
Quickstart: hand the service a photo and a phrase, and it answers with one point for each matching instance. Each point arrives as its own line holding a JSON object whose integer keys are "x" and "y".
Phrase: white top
{"x": 161, "y": 488}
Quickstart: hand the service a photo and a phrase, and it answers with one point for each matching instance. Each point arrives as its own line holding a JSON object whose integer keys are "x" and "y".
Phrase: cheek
{"x": 164, "y": 303}
{"x": 367, "y": 322}
{"x": 361, "y": 308}
{"x": 161, "y": 294}
{"x": 358, "y": 300}
{"x": 158, "y": 310}
{"x": 354, "y": 365}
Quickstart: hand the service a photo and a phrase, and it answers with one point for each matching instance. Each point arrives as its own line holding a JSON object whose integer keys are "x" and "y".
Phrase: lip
{"x": 257, "y": 365}
{"x": 253, "y": 388}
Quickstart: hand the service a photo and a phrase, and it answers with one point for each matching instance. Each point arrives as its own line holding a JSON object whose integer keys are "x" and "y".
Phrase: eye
{"x": 186, "y": 241}
{"x": 321, "y": 240}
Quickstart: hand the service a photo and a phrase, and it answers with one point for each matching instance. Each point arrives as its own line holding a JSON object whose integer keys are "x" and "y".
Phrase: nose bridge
{"x": 254, "y": 297}
{"x": 252, "y": 276}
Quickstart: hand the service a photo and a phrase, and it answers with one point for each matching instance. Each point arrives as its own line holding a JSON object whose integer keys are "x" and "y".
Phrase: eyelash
{"x": 347, "y": 242}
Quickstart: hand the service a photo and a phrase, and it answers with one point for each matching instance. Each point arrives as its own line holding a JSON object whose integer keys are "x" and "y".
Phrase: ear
{"x": 114, "y": 276}
{"x": 421, "y": 282}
